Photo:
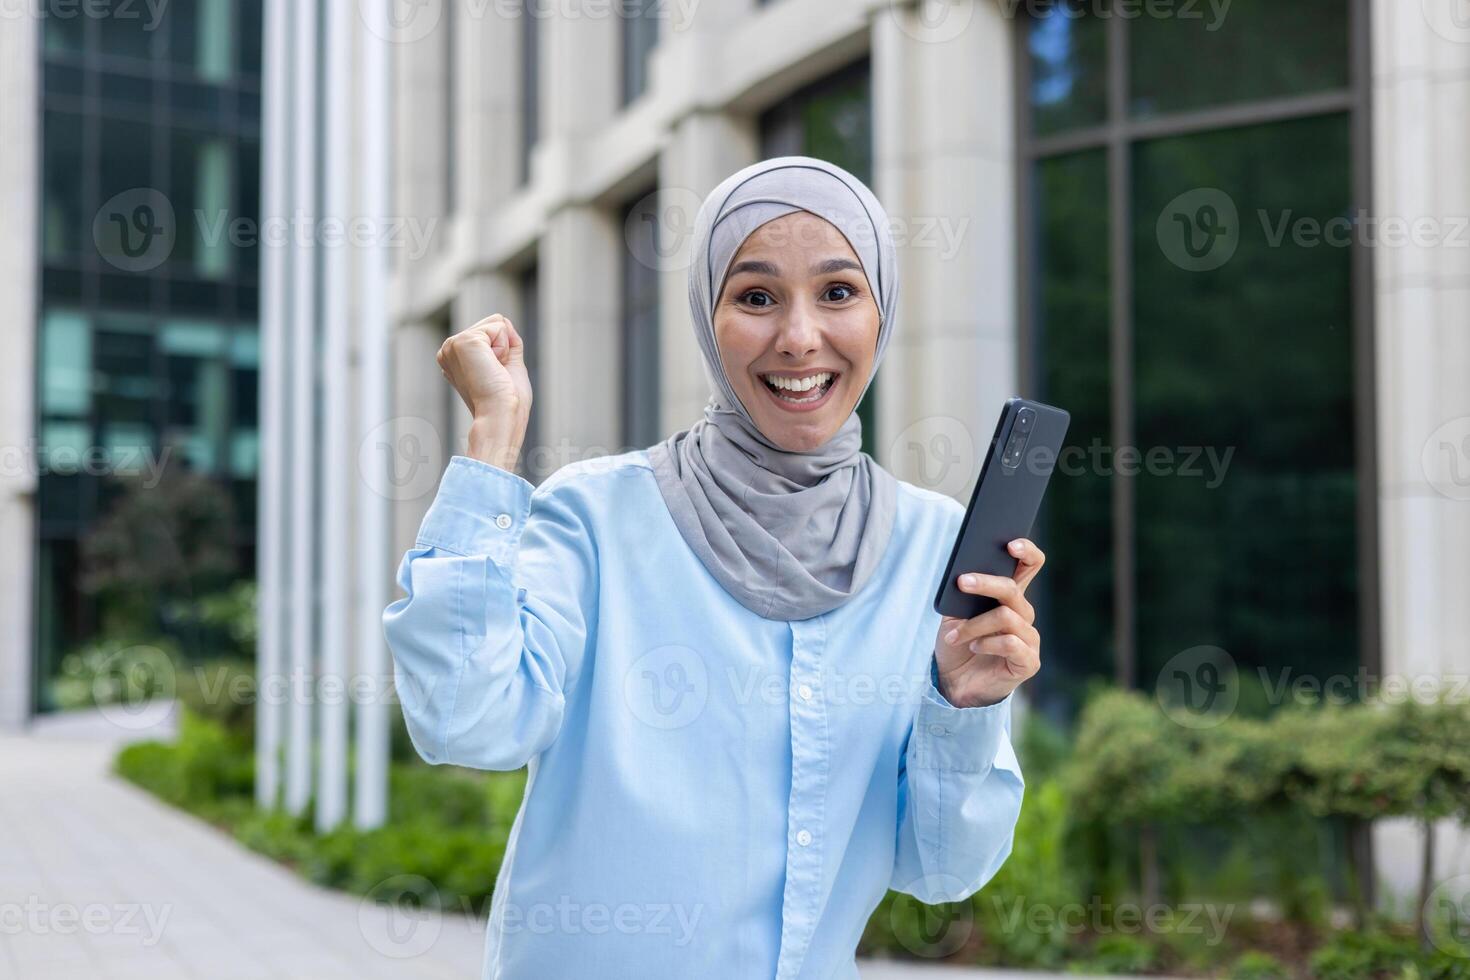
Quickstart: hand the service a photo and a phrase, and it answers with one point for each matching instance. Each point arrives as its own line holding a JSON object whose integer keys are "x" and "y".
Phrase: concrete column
{"x": 580, "y": 41}
{"x": 947, "y": 181}
{"x": 488, "y": 105}
{"x": 275, "y": 376}
{"x": 19, "y": 304}
{"x": 421, "y": 439}
{"x": 420, "y": 133}
{"x": 1421, "y": 173}
{"x": 580, "y": 397}
{"x": 703, "y": 149}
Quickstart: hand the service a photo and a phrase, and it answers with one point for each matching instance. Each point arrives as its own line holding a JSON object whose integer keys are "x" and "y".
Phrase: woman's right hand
{"x": 486, "y": 364}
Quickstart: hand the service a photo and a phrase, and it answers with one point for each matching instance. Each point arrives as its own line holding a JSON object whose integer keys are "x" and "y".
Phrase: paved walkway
{"x": 100, "y": 880}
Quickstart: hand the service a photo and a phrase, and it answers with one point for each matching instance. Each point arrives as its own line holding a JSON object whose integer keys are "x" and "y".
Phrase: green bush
{"x": 1364, "y": 956}
{"x": 1119, "y": 954}
{"x": 223, "y": 690}
{"x": 1259, "y": 966}
{"x": 115, "y": 671}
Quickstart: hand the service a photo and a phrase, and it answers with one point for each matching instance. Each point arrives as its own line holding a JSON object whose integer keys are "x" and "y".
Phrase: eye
{"x": 747, "y": 296}
{"x": 850, "y": 291}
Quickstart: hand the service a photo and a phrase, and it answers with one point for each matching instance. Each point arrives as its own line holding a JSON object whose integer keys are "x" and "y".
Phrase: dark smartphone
{"x": 1003, "y": 507}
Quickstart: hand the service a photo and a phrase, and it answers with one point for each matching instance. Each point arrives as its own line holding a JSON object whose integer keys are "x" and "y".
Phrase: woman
{"x": 742, "y": 719}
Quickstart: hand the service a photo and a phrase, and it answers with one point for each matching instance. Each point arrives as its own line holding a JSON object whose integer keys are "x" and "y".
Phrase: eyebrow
{"x": 764, "y": 268}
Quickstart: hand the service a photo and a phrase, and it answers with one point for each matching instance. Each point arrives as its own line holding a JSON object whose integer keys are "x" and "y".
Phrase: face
{"x": 797, "y": 329}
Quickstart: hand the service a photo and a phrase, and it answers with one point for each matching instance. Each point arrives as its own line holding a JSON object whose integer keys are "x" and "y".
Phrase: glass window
{"x": 640, "y": 23}
{"x": 449, "y": 32}
{"x": 1252, "y": 358}
{"x": 640, "y": 347}
{"x": 1262, "y": 49}
{"x": 64, "y": 35}
{"x": 1238, "y": 335}
{"x": 831, "y": 119}
{"x": 63, "y": 227}
{"x": 129, "y": 164}
{"x": 250, "y": 37}
{"x": 202, "y": 175}
{"x": 530, "y": 83}
{"x": 108, "y": 374}
{"x": 126, "y": 28}
{"x": 66, "y": 359}
{"x": 1071, "y": 343}
{"x": 1068, "y": 62}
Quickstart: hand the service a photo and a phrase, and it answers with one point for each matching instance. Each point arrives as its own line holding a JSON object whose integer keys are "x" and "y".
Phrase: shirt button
{"x": 805, "y": 691}
{"x": 503, "y": 521}
{"x": 938, "y": 730}
{"x": 804, "y": 838}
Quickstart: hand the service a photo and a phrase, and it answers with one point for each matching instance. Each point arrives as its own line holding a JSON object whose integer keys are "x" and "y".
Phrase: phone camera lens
{"x": 1024, "y": 420}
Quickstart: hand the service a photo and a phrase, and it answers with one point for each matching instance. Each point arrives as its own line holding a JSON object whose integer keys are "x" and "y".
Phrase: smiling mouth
{"x": 806, "y": 391}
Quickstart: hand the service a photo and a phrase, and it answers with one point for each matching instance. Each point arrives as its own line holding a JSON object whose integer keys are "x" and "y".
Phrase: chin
{"x": 799, "y": 438}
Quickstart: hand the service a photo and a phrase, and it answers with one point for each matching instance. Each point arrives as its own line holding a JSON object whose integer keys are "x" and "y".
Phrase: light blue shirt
{"x": 710, "y": 794}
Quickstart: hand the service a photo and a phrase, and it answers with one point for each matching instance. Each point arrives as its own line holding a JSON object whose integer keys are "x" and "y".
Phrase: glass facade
{"x": 640, "y": 28}
{"x": 1203, "y": 344}
{"x": 147, "y": 345}
{"x": 831, "y": 119}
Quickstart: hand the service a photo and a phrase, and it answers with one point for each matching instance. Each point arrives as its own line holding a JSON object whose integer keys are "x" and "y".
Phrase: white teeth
{"x": 799, "y": 384}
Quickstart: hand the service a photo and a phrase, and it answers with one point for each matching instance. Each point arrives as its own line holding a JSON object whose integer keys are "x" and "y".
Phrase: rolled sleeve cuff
{"x": 479, "y": 510}
{"x": 956, "y": 739}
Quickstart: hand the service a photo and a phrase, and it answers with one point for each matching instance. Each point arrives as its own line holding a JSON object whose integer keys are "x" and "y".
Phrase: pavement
{"x": 99, "y": 880}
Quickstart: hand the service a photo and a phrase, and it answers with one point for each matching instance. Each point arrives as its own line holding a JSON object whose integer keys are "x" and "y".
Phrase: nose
{"x": 800, "y": 331}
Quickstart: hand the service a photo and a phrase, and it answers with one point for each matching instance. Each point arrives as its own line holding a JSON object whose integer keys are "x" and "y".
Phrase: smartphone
{"x": 1023, "y": 452}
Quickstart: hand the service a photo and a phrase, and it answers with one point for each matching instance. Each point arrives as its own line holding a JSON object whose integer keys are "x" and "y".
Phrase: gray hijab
{"x": 790, "y": 535}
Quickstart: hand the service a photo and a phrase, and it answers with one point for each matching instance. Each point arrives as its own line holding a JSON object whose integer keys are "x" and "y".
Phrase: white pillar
{"x": 274, "y": 435}
{"x": 19, "y": 179}
{"x": 371, "y": 553}
{"x": 1421, "y": 172}
{"x": 303, "y": 582}
{"x": 488, "y": 109}
{"x": 947, "y": 180}
{"x": 580, "y": 330}
{"x": 336, "y": 450}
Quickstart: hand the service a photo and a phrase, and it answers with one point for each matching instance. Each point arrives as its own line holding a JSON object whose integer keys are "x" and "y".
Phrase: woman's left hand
{"x": 981, "y": 660}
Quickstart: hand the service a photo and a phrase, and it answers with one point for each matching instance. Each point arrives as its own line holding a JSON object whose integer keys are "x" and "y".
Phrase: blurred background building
{"x": 1229, "y": 237}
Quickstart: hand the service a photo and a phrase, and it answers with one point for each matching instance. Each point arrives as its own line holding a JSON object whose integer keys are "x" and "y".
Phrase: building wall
{"x": 692, "y": 127}
{"x": 19, "y": 178}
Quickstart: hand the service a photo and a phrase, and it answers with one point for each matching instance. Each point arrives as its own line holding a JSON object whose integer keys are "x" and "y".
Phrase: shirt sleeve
{"x": 492, "y": 628}
{"x": 959, "y": 797}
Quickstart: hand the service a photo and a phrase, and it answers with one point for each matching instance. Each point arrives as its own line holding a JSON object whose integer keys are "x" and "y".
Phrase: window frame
{"x": 1116, "y": 136}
